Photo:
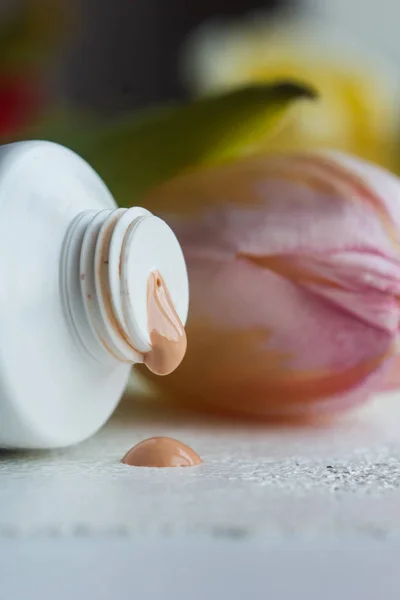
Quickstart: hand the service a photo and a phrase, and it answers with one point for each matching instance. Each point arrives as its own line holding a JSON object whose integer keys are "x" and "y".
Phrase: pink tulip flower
{"x": 294, "y": 268}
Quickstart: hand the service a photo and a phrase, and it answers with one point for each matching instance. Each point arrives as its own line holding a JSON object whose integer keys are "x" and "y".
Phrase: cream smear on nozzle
{"x": 167, "y": 334}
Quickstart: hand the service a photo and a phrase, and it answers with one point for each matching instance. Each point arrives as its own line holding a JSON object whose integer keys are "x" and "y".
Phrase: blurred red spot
{"x": 19, "y": 102}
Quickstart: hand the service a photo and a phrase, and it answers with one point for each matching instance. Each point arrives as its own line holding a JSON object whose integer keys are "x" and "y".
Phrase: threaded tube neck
{"x": 107, "y": 258}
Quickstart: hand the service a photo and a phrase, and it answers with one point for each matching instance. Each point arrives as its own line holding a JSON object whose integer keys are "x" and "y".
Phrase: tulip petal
{"x": 294, "y": 266}
{"x": 367, "y": 286}
{"x": 392, "y": 380}
{"x": 284, "y": 352}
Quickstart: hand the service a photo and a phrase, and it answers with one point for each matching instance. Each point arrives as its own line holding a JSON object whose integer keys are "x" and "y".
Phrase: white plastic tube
{"x": 73, "y": 294}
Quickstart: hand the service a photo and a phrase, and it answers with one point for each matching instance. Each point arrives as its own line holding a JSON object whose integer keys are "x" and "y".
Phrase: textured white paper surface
{"x": 255, "y": 483}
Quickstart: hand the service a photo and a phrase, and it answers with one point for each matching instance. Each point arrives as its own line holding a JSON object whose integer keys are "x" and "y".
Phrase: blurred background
{"x": 133, "y": 48}
{"x": 111, "y": 57}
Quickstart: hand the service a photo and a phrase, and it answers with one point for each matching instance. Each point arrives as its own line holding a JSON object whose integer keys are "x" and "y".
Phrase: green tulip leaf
{"x": 136, "y": 153}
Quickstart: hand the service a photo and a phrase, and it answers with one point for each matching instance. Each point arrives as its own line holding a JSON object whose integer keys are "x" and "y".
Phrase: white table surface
{"x": 332, "y": 491}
